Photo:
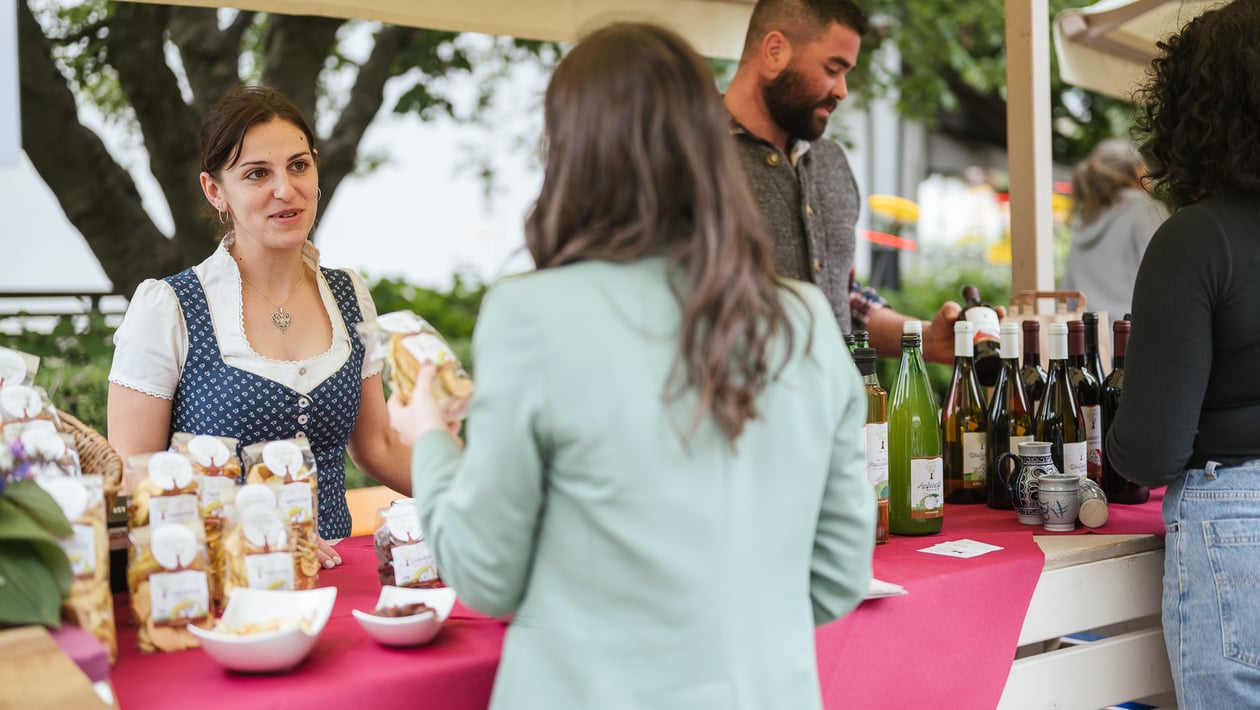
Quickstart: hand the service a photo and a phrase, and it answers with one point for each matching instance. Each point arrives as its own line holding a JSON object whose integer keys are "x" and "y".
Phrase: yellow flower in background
{"x": 1061, "y": 206}
{"x": 895, "y": 208}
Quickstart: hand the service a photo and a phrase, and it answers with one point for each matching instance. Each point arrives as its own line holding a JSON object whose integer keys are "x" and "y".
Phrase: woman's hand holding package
{"x": 422, "y": 413}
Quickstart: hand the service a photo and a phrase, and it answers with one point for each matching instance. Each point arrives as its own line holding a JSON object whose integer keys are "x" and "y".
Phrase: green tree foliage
{"x": 154, "y": 71}
{"x": 951, "y": 73}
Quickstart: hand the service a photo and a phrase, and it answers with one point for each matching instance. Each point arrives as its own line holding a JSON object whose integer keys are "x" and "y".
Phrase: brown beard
{"x": 792, "y": 106}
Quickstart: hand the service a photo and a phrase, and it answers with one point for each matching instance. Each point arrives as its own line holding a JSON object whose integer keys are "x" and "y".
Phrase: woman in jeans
{"x": 1190, "y": 414}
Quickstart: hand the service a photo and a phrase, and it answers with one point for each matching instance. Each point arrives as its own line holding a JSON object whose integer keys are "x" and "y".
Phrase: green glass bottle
{"x": 1010, "y": 417}
{"x": 916, "y": 485}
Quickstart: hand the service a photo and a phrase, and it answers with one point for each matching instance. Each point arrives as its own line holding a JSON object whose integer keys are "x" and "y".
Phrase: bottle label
{"x": 413, "y": 564}
{"x": 1091, "y": 418}
{"x": 986, "y": 322}
{"x": 1074, "y": 459}
{"x": 927, "y": 477}
{"x": 877, "y": 458}
{"x": 973, "y": 458}
{"x": 1015, "y": 441}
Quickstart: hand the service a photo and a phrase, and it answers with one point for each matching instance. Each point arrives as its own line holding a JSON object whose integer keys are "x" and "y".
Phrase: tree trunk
{"x": 97, "y": 194}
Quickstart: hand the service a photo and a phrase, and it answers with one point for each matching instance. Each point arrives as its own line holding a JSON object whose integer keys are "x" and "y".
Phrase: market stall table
{"x": 951, "y": 640}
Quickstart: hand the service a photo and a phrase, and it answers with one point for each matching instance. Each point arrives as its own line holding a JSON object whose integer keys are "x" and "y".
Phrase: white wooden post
{"x": 1028, "y": 144}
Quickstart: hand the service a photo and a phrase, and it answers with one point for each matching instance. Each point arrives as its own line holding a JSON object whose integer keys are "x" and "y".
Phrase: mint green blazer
{"x": 647, "y": 565}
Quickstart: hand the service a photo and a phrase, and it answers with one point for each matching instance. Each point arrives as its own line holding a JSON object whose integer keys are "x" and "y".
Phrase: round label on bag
{"x": 208, "y": 451}
{"x": 171, "y": 471}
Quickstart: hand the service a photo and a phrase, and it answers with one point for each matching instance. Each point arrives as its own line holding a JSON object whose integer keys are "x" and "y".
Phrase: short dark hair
{"x": 1200, "y": 110}
{"x": 802, "y": 20}
{"x": 237, "y": 111}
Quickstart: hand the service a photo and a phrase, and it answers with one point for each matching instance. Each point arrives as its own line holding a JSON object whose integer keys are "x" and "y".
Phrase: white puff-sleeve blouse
{"x": 151, "y": 344}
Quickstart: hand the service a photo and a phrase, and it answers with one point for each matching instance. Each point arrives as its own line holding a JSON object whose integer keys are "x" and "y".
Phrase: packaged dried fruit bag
{"x": 90, "y": 605}
{"x": 258, "y": 543}
{"x": 403, "y": 557}
{"x": 288, "y": 467}
{"x": 403, "y": 341}
{"x": 169, "y": 585}
{"x": 163, "y": 488}
{"x": 218, "y": 473}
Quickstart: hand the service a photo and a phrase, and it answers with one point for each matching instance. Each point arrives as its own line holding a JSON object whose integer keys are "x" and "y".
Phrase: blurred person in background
{"x": 1116, "y": 219}
{"x": 664, "y": 481}
{"x": 1190, "y": 413}
{"x": 258, "y": 341}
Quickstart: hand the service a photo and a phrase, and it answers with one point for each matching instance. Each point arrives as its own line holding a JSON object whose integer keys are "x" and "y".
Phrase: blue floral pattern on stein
{"x": 1024, "y": 481}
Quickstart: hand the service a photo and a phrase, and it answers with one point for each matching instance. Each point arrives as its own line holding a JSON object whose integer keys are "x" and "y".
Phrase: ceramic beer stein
{"x": 1093, "y": 511}
{"x": 1023, "y": 482}
{"x": 1059, "y": 495}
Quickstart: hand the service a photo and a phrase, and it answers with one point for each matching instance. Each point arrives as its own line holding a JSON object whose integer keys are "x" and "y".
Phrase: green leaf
{"x": 17, "y": 526}
{"x": 39, "y": 506}
{"x": 28, "y": 589}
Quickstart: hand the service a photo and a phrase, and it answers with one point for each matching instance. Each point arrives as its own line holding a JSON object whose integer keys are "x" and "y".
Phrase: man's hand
{"x": 938, "y": 336}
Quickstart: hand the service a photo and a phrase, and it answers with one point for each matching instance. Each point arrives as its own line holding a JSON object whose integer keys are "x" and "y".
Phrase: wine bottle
{"x": 1093, "y": 356}
{"x": 850, "y": 342}
{"x": 987, "y": 336}
{"x": 861, "y": 339}
{"x": 1031, "y": 372}
{"x": 1010, "y": 418}
{"x": 876, "y": 439}
{"x": 964, "y": 424}
{"x": 916, "y": 484}
{"x": 1087, "y": 390}
{"x": 1117, "y": 488}
{"x": 1058, "y": 419}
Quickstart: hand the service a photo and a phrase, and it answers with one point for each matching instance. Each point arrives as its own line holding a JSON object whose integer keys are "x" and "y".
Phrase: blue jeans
{"x": 1212, "y": 586}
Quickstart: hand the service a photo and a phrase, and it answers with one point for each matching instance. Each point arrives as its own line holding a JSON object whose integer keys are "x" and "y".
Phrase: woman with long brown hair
{"x": 664, "y": 481}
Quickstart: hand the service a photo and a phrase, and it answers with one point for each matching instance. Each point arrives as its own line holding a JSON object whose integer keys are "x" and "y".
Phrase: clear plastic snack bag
{"x": 218, "y": 473}
{"x": 403, "y": 341}
{"x": 169, "y": 585}
{"x": 288, "y": 467}
{"x": 258, "y": 548}
{"x": 90, "y": 605}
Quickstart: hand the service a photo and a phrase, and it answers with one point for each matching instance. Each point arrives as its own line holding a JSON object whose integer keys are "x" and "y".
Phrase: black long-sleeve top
{"x": 1192, "y": 370}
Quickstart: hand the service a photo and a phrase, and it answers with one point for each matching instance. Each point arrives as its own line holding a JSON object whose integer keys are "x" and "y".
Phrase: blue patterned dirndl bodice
{"x": 213, "y": 398}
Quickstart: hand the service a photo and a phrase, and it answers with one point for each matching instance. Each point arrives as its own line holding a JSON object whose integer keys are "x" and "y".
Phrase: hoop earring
{"x": 222, "y": 219}
{"x": 319, "y": 194}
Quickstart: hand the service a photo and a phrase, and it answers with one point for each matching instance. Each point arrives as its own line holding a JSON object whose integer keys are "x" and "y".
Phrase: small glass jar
{"x": 403, "y": 557}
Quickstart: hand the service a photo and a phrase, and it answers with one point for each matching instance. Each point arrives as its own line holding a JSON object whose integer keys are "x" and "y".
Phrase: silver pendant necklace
{"x": 281, "y": 318}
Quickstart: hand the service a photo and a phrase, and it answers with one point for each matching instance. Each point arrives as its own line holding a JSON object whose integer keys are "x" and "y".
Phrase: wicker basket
{"x": 96, "y": 455}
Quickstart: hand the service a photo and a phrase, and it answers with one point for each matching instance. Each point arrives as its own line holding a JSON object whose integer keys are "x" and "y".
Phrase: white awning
{"x": 1108, "y": 46}
{"x": 715, "y": 28}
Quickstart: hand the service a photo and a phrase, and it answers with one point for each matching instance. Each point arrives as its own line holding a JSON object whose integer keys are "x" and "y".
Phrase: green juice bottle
{"x": 916, "y": 485}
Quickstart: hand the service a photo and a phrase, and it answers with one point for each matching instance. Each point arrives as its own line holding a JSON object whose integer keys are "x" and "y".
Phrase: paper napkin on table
{"x": 880, "y": 589}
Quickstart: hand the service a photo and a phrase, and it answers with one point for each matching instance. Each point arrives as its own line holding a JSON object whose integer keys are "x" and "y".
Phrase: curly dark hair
{"x": 1200, "y": 110}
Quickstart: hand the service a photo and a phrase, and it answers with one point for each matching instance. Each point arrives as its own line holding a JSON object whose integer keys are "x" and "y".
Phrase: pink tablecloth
{"x": 948, "y": 643}
{"x": 951, "y": 640}
{"x": 347, "y": 669}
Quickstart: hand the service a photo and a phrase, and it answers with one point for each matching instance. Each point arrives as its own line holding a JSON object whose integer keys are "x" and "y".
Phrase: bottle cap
{"x": 912, "y": 326}
{"x": 864, "y": 358}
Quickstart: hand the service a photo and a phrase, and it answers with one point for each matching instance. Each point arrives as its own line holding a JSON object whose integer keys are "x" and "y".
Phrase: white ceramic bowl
{"x": 407, "y": 630}
{"x": 302, "y": 615}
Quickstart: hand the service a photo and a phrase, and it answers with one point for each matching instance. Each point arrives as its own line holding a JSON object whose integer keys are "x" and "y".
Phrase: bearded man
{"x": 791, "y": 77}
